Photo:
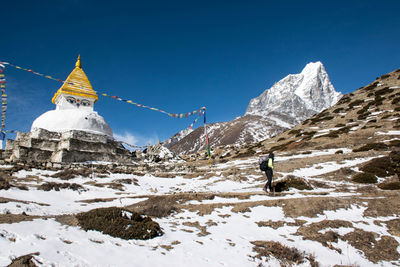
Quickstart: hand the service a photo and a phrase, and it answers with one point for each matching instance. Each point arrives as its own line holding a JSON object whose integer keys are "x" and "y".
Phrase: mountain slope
{"x": 289, "y": 102}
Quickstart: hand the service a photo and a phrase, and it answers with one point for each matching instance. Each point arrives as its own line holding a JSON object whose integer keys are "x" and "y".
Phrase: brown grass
{"x": 364, "y": 178}
{"x": 112, "y": 221}
{"x": 384, "y": 249}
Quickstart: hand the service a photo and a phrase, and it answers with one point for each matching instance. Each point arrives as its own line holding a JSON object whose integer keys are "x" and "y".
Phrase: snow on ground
{"x": 227, "y": 244}
{"x": 228, "y": 233}
{"x": 388, "y": 133}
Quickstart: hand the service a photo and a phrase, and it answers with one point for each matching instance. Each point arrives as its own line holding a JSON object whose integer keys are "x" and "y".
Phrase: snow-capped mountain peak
{"x": 287, "y": 103}
{"x": 297, "y": 95}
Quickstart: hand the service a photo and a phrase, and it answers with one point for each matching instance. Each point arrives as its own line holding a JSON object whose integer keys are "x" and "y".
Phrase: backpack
{"x": 264, "y": 165}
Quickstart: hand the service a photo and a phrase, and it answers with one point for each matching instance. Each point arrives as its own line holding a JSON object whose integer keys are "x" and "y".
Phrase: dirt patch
{"x": 394, "y": 227}
{"x": 70, "y": 220}
{"x": 119, "y": 222}
{"x": 312, "y": 232}
{"x": 287, "y": 256}
{"x": 384, "y": 249}
{"x": 311, "y": 207}
{"x": 157, "y": 206}
{"x": 387, "y": 205}
{"x": 203, "y": 229}
{"x": 15, "y": 218}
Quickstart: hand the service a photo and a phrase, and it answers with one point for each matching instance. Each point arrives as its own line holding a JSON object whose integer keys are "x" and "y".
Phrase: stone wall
{"x": 73, "y": 146}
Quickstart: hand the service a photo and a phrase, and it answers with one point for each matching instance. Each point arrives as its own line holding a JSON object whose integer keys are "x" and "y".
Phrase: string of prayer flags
{"x": 173, "y": 115}
{"x": 201, "y": 111}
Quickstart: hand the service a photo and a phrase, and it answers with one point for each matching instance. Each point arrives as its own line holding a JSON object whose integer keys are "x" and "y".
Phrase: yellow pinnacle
{"x": 77, "y": 84}
{"x": 78, "y": 63}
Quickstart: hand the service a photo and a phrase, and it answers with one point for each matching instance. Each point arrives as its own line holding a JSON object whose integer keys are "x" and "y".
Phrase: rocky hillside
{"x": 287, "y": 103}
{"x": 368, "y": 115}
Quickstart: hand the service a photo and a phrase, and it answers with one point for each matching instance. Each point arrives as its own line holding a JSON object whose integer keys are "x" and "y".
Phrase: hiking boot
{"x": 265, "y": 190}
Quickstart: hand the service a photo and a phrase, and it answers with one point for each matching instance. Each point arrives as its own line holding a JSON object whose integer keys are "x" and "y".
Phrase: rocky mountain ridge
{"x": 289, "y": 102}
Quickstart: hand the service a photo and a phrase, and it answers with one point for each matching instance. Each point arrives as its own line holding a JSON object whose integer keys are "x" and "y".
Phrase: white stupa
{"x": 74, "y": 107}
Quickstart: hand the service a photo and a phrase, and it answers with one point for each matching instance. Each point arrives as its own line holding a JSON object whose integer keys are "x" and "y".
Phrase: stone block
{"x": 22, "y": 136}
{"x": 85, "y": 136}
{"x": 44, "y": 134}
{"x": 10, "y": 144}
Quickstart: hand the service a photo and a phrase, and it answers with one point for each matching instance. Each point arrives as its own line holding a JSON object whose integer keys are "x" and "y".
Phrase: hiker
{"x": 267, "y": 165}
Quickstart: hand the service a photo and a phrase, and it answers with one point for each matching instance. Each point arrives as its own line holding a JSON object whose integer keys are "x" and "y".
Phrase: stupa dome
{"x": 63, "y": 120}
{"x": 74, "y": 107}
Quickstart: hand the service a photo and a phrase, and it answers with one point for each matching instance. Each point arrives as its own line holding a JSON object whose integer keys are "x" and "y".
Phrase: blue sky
{"x": 183, "y": 55}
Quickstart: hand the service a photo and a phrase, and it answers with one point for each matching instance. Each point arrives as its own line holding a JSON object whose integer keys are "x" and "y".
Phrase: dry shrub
{"x": 371, "y": 86}
{"x": 364, "y": 178}
{"x": 338, "y": 110}
{"x": 384, "y": 91}
{"x": 384, "y": 166}
{"x": 344, "y": 99}
{"x": 363, "y": 116}
{"x": 330, "y": 135}
{"x": 357, "y": 102}
{"x": 286, "y": 255}
{"x": 384, "y": 76}
{"x": 70, "y": 174}
{"x": 389, "y": 185}
{"x": 57, "y": 186}
{"x": 247, "y": 153}
{"x": 321, "y": 118}
{"x": 396, "y": 101}
{"x": 312, "y": 231}
{"x": 371, "y": 146}
{"x": 291, "y": 182}
{"x": 121, "y": 223}
{"x": 384, "y": 249}
{"x": 281, "y": 147}
{"x": 294, "y": 132}
{"x": 24, "y": 261}
{"x": 4, "y": 184}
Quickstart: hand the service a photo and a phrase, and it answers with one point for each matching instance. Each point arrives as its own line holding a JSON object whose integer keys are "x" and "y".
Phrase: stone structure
{"x": 74, "y": 107}
{"x": 73, "y": 132}
{"x": 71, "y": 146}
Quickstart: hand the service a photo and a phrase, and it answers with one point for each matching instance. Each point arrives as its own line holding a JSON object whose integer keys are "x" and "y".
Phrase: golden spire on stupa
{"x": 77, "y": 83}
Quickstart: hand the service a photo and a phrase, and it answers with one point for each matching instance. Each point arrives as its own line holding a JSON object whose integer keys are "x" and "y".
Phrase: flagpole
{"x": 205, "y": 132}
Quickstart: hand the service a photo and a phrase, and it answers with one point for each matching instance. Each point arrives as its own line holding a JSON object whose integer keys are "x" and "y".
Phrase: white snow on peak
{"x": 297, "y": 95}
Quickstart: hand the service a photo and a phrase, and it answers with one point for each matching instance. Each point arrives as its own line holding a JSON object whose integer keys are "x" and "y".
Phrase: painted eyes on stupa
{"x": 85, "y": 103}
{"x": 78, "y": 102}
{"x": 71, "y": 100}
